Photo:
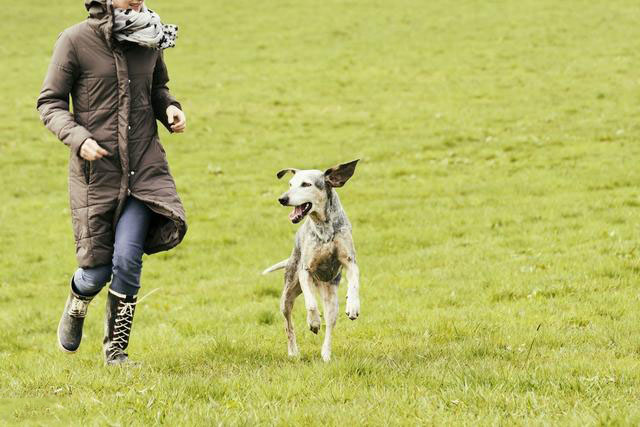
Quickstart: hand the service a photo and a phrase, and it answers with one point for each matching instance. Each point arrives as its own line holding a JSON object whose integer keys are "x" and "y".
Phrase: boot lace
{"x": 122, "y": 326}
{"x": 78, "y": 307}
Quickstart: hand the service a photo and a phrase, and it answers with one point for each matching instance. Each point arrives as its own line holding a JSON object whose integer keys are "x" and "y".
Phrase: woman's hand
{"x": 176, "y": 119}
{"x": 90, "y": 150}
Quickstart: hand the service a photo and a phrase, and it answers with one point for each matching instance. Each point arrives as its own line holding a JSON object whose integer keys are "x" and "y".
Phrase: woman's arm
{"x": 53, "y": 102}
{"x": 161, "y": 98}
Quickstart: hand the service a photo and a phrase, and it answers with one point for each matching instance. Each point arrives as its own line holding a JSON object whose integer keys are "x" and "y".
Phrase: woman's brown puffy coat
{"x": 118, "y": 92}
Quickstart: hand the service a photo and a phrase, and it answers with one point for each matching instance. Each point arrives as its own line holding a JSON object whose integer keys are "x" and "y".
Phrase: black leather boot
{"x": 117, "y": 327}
{"x": 72, "y": 320}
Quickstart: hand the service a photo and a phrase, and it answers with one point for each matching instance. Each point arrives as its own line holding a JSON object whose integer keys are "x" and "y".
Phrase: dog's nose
{"x": 284, "y": 201}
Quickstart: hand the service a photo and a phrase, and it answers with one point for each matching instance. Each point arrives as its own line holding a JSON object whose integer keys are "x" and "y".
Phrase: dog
{"x": 323, "y": 247}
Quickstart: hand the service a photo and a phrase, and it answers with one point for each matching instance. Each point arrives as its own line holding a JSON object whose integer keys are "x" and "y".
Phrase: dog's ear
{"x": 337, "y": 176}
{"x": 283, "y": 172}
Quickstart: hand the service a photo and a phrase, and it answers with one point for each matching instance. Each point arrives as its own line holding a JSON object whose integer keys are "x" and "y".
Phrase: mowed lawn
{"x": 495, "y": 214}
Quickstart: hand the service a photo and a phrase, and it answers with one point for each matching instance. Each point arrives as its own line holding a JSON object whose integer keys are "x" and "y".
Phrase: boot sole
{"x": 64, "y": 350}
{"x": 125, "y": 364}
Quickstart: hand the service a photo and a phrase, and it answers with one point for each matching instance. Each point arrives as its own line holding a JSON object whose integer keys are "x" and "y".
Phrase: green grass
{"x": 495, "y": 215}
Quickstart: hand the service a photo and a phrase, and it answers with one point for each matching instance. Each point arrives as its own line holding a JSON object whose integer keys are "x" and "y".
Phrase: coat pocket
{"x": 87, "y": 171}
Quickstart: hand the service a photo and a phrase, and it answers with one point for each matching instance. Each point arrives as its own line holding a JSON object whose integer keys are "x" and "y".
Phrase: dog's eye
{"x": 305, "y": 184}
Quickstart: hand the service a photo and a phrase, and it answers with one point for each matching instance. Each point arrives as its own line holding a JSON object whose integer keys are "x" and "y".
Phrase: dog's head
{"x": 309, "y": 189}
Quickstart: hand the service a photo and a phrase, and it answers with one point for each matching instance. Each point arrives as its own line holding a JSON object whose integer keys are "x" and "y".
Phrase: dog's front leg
{"x": 353, "y": 290}
{"x": 347, "y": 257}
{"x": 313, "y": 315}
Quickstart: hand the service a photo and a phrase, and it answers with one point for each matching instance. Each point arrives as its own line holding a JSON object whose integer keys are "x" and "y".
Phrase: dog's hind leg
{"x": 329, "y": 294}
{"x": 289, "y": 295}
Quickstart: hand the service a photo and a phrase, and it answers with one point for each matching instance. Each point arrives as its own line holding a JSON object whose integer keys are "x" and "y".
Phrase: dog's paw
{"x": 314, "y": 327}
{"x": 353, "y": 308}
{"x": 313, "y": 320}
{"x": 326, "y": 355}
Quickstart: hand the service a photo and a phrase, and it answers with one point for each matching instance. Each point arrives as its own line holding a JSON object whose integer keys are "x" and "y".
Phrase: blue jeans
{"x": 126, "y": 266}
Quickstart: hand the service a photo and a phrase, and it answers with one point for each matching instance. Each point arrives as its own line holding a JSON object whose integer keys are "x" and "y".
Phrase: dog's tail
{"x": 278, "y": 266}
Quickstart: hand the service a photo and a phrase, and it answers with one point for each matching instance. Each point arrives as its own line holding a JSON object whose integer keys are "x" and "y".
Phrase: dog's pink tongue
{"x": 296, "y": 211}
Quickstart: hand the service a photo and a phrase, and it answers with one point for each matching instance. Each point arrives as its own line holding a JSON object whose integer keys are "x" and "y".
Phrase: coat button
{"x": 129, "y": 80}
{"x": 129, "y": 127}
{"x": 128, "y": 192}
{"x": 132, "y": 172}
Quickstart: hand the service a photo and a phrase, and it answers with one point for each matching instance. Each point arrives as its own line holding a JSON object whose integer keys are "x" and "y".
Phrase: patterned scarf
{"x": 143, "y": 28}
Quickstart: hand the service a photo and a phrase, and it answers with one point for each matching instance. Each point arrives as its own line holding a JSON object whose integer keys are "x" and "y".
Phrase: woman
{"x": 123, "y": 199}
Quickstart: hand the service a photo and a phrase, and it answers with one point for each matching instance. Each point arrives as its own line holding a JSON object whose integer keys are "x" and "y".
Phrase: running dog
{"x": 323, "y": 246}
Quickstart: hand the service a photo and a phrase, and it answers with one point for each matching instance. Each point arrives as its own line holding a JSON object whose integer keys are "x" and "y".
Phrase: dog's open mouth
{"x": 299, "y": 212}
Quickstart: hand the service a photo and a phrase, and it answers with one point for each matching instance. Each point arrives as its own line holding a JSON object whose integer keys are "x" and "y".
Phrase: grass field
{"x": 495, "y": 215}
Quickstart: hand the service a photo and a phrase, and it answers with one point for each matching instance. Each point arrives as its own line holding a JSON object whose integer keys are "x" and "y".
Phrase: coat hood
{"x": 97, "y": 8}
{"x": 101, "y": 17}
